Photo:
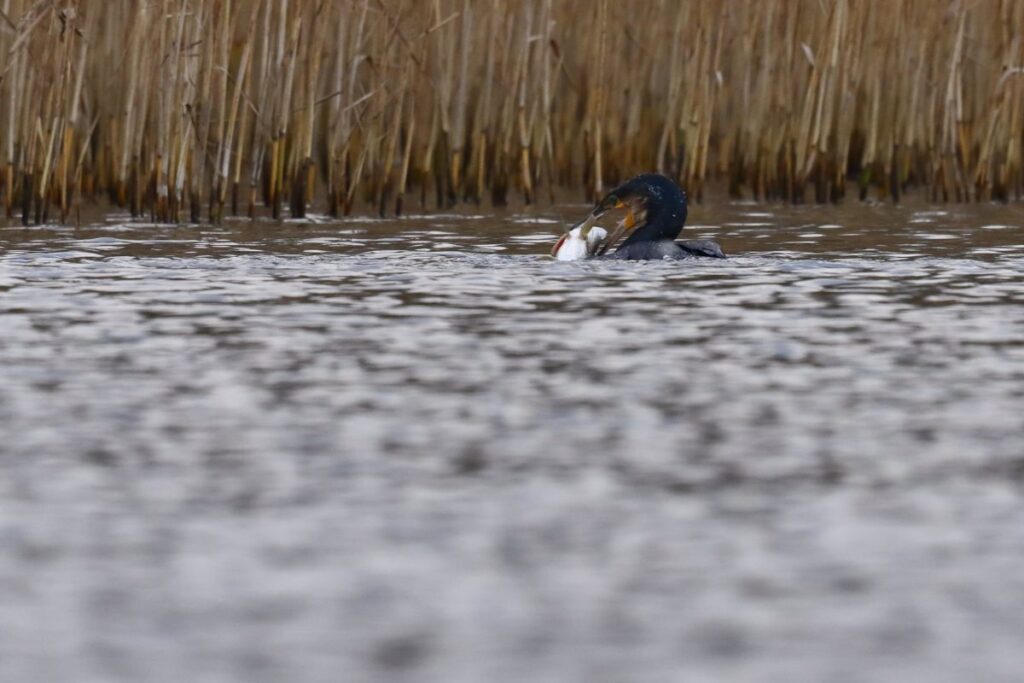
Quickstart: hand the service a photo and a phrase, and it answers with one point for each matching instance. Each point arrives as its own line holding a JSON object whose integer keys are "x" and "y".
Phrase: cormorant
{"x": 655, "y": 214}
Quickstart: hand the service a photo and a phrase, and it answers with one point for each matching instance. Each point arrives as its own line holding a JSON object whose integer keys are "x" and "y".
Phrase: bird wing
{"x": 701, "y": 248}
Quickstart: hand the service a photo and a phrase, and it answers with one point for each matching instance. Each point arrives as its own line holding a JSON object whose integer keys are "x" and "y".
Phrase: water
{"x": 418, "y": 450}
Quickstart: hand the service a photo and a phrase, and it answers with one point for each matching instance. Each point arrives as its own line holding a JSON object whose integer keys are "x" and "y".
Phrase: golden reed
{"x": 179, "y": 107}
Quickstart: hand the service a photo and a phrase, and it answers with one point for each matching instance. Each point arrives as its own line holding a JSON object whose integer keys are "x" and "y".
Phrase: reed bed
{"x": 195, "y": 109}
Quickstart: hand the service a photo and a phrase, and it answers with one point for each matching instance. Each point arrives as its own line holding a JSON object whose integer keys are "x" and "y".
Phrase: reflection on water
{"x": 421, "y": 449}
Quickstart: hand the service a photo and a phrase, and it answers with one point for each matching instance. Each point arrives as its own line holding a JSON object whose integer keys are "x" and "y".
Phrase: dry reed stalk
{"x": 597, "y": 102}
{"x": 8, "y": 33}
{"x": 224, "y": 155}
{"x": 461, "y": 99}
{"x": 164, "y": 105}
{"x": 522, "y": 88}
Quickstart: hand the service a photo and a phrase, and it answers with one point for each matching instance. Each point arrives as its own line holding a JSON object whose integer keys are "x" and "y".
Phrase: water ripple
{"x": 360, "y": 436}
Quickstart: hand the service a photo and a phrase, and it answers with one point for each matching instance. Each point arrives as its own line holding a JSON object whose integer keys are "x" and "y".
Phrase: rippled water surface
{"x": 419, "y": 450}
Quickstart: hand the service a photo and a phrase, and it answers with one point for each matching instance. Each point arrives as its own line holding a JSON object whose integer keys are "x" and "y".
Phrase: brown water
{"x": 418, "y": 450}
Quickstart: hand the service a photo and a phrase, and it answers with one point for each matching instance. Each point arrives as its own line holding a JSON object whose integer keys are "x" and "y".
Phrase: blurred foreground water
{"x": 419, "y": 450}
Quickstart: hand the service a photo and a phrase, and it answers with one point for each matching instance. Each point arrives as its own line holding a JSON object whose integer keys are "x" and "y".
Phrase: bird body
{"x": 667, "y": 249}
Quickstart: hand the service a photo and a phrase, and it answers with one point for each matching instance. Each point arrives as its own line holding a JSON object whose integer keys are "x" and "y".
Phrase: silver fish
{"x": 580, "y": 241}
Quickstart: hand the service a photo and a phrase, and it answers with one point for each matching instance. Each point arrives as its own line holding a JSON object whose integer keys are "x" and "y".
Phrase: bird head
{"x": 655, "y": 207}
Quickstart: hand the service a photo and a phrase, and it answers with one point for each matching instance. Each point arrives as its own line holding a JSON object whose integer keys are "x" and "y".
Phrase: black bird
{"x": 655, "y": 214}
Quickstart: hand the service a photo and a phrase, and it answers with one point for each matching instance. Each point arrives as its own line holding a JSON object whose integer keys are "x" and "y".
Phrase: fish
{"x": 581, "y": 241}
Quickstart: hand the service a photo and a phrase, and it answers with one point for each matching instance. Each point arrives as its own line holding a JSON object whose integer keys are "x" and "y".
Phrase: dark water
{"x": 418, "y": 450}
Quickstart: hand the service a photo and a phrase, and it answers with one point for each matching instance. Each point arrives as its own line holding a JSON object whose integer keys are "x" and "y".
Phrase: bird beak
{"x": 616, "y": 234}
{"x": 609, "y": 202}
{"x": 627, "y": 225}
